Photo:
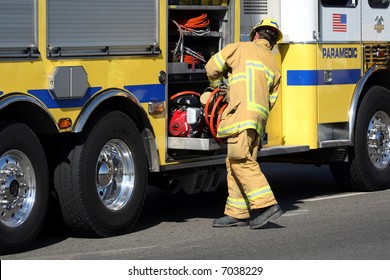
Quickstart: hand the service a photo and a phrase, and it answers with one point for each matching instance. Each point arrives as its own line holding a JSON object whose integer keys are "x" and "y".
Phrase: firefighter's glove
{"x": 224, "y": 91}
{"x": 226, "y": 72}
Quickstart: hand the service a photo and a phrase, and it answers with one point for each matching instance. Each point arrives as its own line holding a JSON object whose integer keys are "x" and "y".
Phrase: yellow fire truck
{"x": 98, "y": 99}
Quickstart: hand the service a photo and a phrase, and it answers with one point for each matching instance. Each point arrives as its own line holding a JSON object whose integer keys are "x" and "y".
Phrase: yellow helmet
{"x": 267, "y": 22}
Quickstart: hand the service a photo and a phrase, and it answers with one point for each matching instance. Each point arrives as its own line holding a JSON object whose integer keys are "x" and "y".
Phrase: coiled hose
{"x": 213, "y": 109}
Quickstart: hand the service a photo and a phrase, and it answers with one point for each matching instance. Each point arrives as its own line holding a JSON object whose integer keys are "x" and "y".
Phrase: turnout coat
{"x": 253, "y": 80}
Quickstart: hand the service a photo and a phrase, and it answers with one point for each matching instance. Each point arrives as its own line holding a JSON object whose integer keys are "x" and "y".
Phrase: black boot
{"x": 268, "y": 214}
{"x": 228, "y": 221}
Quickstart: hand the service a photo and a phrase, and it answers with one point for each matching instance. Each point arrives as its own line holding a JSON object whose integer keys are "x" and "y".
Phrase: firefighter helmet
{"x": 267, "y": 23}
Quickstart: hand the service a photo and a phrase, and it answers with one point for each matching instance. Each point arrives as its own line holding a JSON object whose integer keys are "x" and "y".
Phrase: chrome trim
{"x": 378, "y": 140}
{"x": 220, "y": 159}
{"x": 333, "y": 135}
{"x": 151, "y": 150}
{"x": 20, "y": 97}
{"x": 371, "y": 54}
{"x": 115, "y": 175}
{"x": 202, "y": 161}
{"x": 95, "y": 101}
{"x": 358, "y": 91}
{"x": 18, "y": 188}
{"x": 334, "y": 143}
{"x": 282, "y": 150}
{"x": 199, "y": 144}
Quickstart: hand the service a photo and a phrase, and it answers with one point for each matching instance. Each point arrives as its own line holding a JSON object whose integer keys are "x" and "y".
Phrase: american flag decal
{"x": 339, "y": 22}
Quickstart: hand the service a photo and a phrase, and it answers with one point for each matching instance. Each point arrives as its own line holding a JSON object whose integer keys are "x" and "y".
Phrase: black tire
{"x": 88, "y": 174}
{"x": 24, "y": 186}
{"x": 369, "y": 169}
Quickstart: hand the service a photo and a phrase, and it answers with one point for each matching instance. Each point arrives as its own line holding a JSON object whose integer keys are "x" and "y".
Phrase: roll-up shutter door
{"x": 102, "y": 27}
{"x": 18, "y": 36}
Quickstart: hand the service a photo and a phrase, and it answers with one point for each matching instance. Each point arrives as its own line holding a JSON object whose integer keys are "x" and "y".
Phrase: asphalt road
{"x": 321, "y": 222}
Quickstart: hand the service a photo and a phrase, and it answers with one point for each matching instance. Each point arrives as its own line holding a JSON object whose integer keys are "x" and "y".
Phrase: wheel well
{"x": 378, "y": 78}
{"x": 36, "y": 119}
{"x": 126, "y": 106}
{"x": 31, "y": 115}
{"x": 375, "y": 76}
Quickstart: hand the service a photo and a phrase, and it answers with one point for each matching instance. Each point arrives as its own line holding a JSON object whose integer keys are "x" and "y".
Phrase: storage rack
{"x": 183, "y": 76}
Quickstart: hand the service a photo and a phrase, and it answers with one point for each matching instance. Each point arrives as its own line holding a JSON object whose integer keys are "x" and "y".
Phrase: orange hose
{"x": 195, "y": 23}
{"x": 189, "y": 59}
{"x": 184, "y": 93}
{"x": 215, "y": 106}
{"x": 213, "y": 128}
{"x": 220, "y": 114}
{"x": 206, "y": 107}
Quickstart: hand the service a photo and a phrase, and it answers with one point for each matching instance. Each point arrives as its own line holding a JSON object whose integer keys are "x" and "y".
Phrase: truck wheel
{"x": 24, "y": 186}
{"x": 369, "y": 169}
{"x": 101, "y": 182}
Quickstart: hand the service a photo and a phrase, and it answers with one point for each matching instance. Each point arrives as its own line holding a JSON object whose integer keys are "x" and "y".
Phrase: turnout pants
{"x": 248, "y": 187}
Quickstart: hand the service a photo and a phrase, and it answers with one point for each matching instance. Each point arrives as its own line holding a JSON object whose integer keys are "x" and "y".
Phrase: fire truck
{"x": 99, "y": 99}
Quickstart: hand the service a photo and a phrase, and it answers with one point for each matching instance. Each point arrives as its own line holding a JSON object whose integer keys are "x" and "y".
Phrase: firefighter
{"x": 253, "y": 80}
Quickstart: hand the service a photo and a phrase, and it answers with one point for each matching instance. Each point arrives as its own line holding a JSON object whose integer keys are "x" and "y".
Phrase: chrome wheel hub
{"x": 115, "y": 174}
{"x": 378, "y": 139}
{"x": 17, "y": 188}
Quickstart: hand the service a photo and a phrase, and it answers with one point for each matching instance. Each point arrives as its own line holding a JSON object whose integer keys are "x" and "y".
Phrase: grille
{"x": 259, "y": 7}
{"x": 377, "y": 54}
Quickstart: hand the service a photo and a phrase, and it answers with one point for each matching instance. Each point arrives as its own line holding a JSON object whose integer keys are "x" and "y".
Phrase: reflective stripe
{"x": 250, "y": 85}
{"x": 263, "y": 111}
{"x": 270, "y": 77}
{"x": 235, "y": 78}
{"x": 240, "y": 203}
{"x": 215, "y": 82}
{"x": 240, "y": 126}
{"x": 272, "y": 99}
{"x": 260, "y": 192}
{"x": 219, "y": 61}
{"x": 251, "y": 66}
{"x": 249, "y": 77}
{"x": 257, "y": 65}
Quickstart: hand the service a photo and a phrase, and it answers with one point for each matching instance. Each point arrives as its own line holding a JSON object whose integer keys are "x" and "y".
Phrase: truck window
{"x": 379, "y": 3}
{"x": 340, "y": 3}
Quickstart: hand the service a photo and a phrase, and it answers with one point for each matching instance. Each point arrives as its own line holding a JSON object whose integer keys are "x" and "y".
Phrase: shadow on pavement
{"x": 290, "y": 183}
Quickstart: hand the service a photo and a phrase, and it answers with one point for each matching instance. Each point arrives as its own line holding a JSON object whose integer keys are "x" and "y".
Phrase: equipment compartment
{"x": 195, "y": 34}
